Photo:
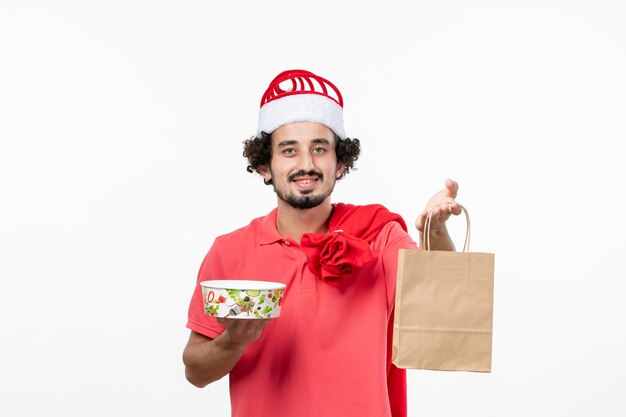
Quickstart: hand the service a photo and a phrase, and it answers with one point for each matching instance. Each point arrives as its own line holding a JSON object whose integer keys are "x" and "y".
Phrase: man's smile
{"x": 306, "y": 182}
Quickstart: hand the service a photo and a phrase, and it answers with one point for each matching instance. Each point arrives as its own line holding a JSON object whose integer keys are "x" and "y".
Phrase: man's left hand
{"x": 445, "y": 206}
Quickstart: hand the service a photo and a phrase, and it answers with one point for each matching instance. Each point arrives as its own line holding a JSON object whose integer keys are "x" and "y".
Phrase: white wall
{"x": 121, "y": 125}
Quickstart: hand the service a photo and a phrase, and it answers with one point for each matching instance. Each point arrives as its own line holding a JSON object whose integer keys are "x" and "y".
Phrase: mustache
{"x": 303, "y": 173}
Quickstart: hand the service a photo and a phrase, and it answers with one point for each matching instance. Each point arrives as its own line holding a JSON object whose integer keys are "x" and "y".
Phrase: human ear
{"x": 265, "y": 173}
{"x": 340, "y": 169}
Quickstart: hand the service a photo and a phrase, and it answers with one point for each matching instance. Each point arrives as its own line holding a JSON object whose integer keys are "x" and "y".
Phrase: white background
{"x": 121, "y": 125}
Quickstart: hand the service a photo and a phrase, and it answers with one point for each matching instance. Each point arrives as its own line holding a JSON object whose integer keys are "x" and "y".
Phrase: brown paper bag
{"x": 444, "y": 308}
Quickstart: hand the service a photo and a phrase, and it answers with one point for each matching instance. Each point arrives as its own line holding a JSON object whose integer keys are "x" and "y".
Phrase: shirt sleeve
{"x": 395, "y": 239}
{"x": 211, "y": 268}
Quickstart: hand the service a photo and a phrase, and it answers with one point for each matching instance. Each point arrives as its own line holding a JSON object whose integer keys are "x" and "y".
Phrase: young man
{"x": 329, "y": 351}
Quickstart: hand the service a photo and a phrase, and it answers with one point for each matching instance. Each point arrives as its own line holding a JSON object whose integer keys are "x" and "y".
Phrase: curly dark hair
{"x": 258, "y": 150}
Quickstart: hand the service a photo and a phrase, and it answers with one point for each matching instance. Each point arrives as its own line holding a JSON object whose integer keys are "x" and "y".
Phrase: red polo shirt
{"x": 327, "y": 352}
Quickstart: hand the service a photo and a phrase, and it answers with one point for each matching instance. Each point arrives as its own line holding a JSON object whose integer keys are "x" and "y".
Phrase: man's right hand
{"x": 207, "y": 360}
{"x": 239, "y": 333}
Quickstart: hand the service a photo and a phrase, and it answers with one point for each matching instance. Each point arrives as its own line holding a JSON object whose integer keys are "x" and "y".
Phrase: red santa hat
{"x": 301, "y": 96}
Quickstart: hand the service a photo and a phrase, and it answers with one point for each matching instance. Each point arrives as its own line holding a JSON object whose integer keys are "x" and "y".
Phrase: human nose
{"x": 306, "y": 162}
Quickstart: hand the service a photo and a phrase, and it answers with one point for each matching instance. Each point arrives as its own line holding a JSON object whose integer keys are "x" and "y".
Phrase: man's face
{"x": 304, "y": 165}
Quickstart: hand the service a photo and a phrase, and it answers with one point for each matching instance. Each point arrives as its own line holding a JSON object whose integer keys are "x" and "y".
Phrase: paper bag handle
{"x": 426, "y": 241}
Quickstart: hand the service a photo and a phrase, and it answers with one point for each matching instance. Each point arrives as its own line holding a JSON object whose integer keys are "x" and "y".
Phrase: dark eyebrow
{"x": 289, "y": 142}
{"x": 284, "y": 143}
{"x": 321, "y": 140}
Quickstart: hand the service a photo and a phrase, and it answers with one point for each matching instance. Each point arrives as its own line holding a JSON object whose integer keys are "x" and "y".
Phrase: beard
{"x": 303, "y": 202}
{"x": 306, "y": 200}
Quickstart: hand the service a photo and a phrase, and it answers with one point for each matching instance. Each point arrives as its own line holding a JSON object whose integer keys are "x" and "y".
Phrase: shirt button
{"x": 306, "y": 261}
{"x": 287, "y": 242}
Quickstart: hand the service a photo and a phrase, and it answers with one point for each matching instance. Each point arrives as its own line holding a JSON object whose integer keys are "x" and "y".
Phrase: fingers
{"x": 449, "y": 207}
{"x": 448, "y": 204}
{"x": 243, "y": 325}
{"x": 442, "y": 205}
{"x": 421, "y": 221}
{"x": 452, "y": 188}
{"x": 243, "y": 330}
{"x": 440, "y": 214}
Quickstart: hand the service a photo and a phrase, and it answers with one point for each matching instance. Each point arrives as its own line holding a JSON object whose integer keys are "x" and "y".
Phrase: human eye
{"x": 288, "y": 151}
{"x": 319, "y": 149}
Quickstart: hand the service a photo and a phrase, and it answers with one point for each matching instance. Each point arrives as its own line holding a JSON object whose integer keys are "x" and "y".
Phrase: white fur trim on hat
{"x": 301, "y": 108}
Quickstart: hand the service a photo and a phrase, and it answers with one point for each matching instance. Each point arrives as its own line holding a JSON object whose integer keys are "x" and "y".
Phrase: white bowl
{"x": 242, "y": 299}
